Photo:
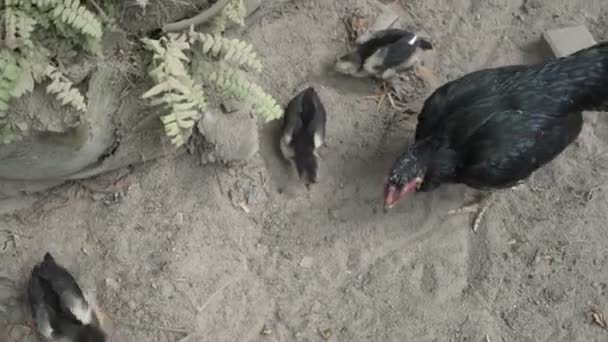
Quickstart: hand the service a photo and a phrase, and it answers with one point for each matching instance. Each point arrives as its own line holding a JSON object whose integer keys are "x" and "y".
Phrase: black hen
{"x": 493, "y": 128}
{"x": 382, "y": 54}
{"x": 303, "y": 133}
{"x": 59, "y": 308}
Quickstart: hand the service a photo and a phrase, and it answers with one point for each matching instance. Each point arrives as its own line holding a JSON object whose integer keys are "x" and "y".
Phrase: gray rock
{"x": 234, "y": 137}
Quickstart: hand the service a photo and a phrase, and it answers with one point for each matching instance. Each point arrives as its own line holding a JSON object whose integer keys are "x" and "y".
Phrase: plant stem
{"x": 198, "y": 19}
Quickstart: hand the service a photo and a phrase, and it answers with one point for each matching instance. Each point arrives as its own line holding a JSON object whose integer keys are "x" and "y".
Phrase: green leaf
{"x": 24, "y": 85}
{"x": 156, "y": 90}
{"x": 3, "y": 106}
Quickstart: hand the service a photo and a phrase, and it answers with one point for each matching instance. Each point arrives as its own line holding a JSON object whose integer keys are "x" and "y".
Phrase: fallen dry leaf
{"x": 356, "y": 25}
{"x": 598, "y": 317}
{"x": 425, "y": 74}
{"x": 14, "y": 332}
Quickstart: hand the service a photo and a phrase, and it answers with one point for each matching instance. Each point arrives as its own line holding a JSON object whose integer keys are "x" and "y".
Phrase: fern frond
{"x": 265, "y": 104}
{"x": 10, "y": 73}
{"x": 235, "y": 11}
{"x": 35, "y": 59}
{"x": 72, "y": 20}
{"x": 233, "y": 50}
{"x": 175, "y": 89}
{"x": 44, "y": 4}
{"x": 10, "y": 27}
{"x": 33, "y": 63}
{"x": 7, "y": 132}
{"x": 79, "y": 17}
{"x": 234, "y": 83}
{"x": 18, "y": 27}
{"x": 25, "y": 83}
{"x": 218, "y": 24}
{"x": 63, "y": 89}
{"x": 24, "y": 26}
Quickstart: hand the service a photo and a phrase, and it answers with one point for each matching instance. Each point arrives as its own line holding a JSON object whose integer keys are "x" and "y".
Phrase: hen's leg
{"x": 479, "y": 207}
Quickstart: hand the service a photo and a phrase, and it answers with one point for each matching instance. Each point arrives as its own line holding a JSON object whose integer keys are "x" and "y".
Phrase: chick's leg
{"x": 25, "y": 328}
{"x": 381, "y": 95}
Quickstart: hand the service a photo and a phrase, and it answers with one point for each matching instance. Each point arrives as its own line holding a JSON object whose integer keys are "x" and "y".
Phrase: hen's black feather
{"x": 494, "y": 127}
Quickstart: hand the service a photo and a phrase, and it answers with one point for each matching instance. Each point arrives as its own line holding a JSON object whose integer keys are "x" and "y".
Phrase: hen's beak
{"x": 392, "y": 194}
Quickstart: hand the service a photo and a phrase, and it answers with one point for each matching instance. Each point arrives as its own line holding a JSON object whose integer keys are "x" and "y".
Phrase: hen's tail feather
{"x": 600, "y": 96}
{"x": 579, "y": 81}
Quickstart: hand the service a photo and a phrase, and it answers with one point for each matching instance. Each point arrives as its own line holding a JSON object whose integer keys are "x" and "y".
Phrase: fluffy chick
{"x": 303, "y": 132}
{"x": 382, "y": 54}
{"x": 60, "y": 310}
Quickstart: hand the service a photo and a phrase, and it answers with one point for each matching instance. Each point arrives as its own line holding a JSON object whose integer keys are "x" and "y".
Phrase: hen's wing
{"x": 461, "y": 93}
{"x": 509, "y": 145}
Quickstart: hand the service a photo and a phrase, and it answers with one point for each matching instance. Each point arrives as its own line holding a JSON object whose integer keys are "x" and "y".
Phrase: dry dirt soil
{"x": 246, "y": 253}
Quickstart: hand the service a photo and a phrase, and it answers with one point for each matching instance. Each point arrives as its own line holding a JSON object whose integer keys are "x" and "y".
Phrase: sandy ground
{"x": 177, "y": 252}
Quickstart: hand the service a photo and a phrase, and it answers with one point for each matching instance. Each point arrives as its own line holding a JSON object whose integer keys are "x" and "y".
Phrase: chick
{"x": 60, "y": 310}
{"x": 382, "y": 54}
{"x": 303, "y": 132}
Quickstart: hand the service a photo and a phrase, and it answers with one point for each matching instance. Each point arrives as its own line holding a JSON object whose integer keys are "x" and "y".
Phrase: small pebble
{"x": 306, "y": 262}
{"x": 326, "y": 334}
{"x": 96, "y": 196}
{"x": 178, "y": 220}
{"x": 112, "y": 284}
{"x": 266, "y": 331}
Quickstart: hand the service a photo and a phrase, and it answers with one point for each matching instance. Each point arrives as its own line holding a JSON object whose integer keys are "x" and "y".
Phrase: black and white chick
{"x": 59, "y": 308}
{"x": 382, "y": 54}
{"x": 303, "y": 132}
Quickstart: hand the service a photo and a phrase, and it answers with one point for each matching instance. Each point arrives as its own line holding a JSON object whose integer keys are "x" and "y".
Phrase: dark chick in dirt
{"x": 59, "y": 308}
{"x": 303, "y": 132}
{"x": 382, "y": 55}
{"x": 493, "y": 128}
